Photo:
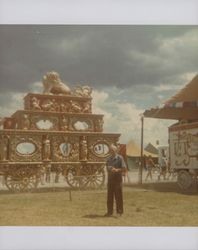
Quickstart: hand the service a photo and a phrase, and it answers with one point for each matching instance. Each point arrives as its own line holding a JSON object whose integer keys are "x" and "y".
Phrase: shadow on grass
{"x": 95, "y": 216}
{"x": 40, "y": 190}
{"x": 51, "y": 189}
{"x": 171, "y": 187}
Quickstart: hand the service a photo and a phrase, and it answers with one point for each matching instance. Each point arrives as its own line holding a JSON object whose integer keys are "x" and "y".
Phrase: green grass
{"x": 148, "y": 205}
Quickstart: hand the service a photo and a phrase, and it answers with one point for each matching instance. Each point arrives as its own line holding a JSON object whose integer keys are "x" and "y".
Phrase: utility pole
{"x": 141, "y": 157}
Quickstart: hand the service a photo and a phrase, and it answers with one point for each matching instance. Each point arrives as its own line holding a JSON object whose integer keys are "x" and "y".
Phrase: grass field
{"x": 157, "y": 204}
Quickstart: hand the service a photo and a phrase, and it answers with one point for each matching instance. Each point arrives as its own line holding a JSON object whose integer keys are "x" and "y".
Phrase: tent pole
{"x": 141, "y": 157}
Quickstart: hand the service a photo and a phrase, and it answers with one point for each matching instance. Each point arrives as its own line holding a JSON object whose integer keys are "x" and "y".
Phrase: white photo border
{"x": 143, "y": 12}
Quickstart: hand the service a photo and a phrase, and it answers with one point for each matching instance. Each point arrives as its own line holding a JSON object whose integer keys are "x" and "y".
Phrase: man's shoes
{"x": 107, "y": 215}
{"x": 119, "y": 214}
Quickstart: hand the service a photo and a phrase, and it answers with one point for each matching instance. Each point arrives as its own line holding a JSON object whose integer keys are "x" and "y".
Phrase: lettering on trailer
{"x": 185, "y": 147}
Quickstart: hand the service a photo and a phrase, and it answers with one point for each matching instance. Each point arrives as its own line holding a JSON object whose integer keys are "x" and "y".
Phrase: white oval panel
{"x": 81, "y": 125}
{"x": 101, "y": 149}
{"x": 26, "y": 148}
{"x": 44, "y": 124}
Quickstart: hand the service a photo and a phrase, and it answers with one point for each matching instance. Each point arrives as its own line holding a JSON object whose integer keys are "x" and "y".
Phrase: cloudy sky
{"x": 131, "y": 68}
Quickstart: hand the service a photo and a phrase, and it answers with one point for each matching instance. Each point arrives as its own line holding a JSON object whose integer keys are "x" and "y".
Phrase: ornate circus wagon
{"x": 56, "y": 132}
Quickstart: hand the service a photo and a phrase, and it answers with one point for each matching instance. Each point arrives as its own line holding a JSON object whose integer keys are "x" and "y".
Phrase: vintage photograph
{"x": 99, "y": 125}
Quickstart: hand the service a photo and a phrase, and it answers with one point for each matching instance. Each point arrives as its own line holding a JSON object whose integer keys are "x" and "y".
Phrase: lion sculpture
{"x": 52, "y": 84}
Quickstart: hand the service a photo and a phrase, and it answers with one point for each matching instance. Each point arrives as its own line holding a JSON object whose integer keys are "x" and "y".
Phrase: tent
{"x": 133, "y": 152}
{"x": 182, "y": 106}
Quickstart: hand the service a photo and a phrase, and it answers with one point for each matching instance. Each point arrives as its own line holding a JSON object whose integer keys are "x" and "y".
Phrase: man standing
{"x": 115, "y": 168}
{"x": 150, "y": 165}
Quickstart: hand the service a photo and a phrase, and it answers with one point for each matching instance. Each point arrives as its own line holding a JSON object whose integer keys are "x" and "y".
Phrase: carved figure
{"x": 35, "y": 104}
{"x": 64, "y": 123}
{"x": 64, "y": 107}
{"x": 3, "y": 147}
{"x": 46, "y": 149}
{"x": 86, "y": 107}
{"x": 47, "y": 105}
{"x": 52, "y": 84}
{"x": 25, "y": 122}
{"x": 56, "y": 106}
{"x": 83, "y": 149}
{"x": 99, "y": 125}
{"x": 75, "y": 107}
{"x": 74, "y": 154}
{"x": 84, "y": 91}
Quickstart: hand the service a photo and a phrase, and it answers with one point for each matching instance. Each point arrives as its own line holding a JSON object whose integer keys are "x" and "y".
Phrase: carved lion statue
{"x": 52, "y": 84}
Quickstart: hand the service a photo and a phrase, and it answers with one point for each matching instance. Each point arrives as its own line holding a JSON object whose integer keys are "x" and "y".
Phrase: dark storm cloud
{"x": 119, "y": 56}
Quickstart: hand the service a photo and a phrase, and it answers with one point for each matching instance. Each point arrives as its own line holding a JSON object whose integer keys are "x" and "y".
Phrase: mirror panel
{"x": 101, "y": 149}
{"x": 26, "y": 148}
{"x": 65, "y": 148}
{"x": 81, "y": 125}
{"x": 44, "y": 124}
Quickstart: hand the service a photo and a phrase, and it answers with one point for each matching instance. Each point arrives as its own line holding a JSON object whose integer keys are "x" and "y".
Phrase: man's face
{"x": 114, "y": 151}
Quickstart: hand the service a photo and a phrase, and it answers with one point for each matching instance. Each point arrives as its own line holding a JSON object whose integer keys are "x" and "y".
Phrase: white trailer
{"x": 183, "y": 148}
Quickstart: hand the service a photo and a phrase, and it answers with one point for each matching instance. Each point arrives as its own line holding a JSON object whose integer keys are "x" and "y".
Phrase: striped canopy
{"x": 182, "y": 106}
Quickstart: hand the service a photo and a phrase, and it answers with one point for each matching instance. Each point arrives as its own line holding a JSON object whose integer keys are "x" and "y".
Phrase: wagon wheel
{"x": 21, "y": 180}
{"x": 74, "y": 177}
{"x": 184, "y": 180}
{"x": 94, "y": 177}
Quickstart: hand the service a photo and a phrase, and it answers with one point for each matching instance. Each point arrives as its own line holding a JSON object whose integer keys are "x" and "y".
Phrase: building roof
{"x": 133, "y": 150}
{"x": 151, "y": 149}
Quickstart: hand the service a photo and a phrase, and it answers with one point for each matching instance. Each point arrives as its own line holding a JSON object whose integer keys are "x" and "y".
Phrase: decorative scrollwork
{"x": 83, "y": 91}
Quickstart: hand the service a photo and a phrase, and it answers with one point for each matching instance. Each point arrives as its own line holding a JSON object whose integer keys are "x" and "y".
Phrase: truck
{"x": 183, "y": 149}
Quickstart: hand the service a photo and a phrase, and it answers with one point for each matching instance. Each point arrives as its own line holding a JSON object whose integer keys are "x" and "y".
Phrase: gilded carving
{"x": 46, "y": 149}
{"x": 3, "y": 147}
{"x": 75, "y": 107}
{"x": 64, "y": 107}
{"x": 48, "y": 105}
{"x": 74, "y": 155}
{"x": 64, "y": 123}
{"x": 99, "y": 125}
{"x": 53, "y": 85}
{"x": 35, "y": 104}
{"x": 83, "y": 149}
{"x": 83, "y": 91}
{"x": 86, "y": 107}
{"x": 25, "y": 123}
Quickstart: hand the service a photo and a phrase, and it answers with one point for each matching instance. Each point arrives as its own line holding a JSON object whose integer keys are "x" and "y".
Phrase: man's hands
{"x": 115, "y": 170}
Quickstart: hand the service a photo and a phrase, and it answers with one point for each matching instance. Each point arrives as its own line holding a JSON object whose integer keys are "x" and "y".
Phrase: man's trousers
{"x": 114, "y": 190}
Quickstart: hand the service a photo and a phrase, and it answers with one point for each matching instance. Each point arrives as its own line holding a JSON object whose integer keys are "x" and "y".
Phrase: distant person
{"x": 149, "y": 165}
{"x": 163, "y": 168}
{"x": 144, "y": 163}
{"x": 115, "y": 167}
